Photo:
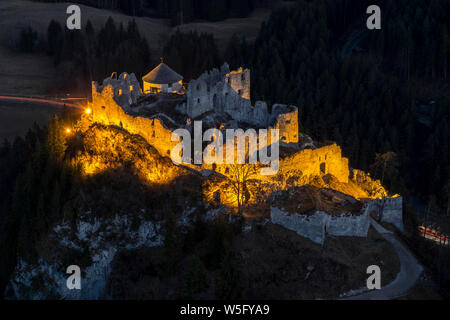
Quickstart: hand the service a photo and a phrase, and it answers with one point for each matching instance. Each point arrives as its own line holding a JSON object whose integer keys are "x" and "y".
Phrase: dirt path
{"x": 410, "y": 271}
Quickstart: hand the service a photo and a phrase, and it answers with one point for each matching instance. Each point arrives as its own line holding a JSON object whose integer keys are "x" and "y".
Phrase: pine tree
{"x": 27, "y": 39}
{"x": 54, "y": 37}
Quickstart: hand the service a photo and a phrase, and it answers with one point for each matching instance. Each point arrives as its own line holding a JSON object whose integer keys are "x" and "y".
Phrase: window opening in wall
{"x": 322, "y": 168}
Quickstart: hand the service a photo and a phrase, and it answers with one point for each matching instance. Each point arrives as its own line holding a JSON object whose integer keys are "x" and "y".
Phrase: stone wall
{"x": 286, "y": 120}
{"x": 317, "y": 162}
{"x": 393, "y": 212}
{"x": 107, "y": 100}
{"x": 225, "y": 91}
{"x": 106, "y": 110}
{"x": 349, "y": 225}
{"x": 311, "y": 227}
{"x": 388, "y": 210}
{"x": 219, "y": 90}
{"x": 126, "y": 89}
{"x": 315, "y": 227}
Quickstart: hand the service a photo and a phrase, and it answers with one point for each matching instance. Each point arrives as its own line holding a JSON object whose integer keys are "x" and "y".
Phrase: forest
{"x": 180, "y": 11}
{"x": 390, "y": 95}
{"x": 386, "y": 102}
{"x": 87, "y": 55}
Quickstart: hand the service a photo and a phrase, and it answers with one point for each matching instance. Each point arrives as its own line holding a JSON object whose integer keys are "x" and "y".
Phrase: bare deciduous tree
{"x": 239, "y": 175}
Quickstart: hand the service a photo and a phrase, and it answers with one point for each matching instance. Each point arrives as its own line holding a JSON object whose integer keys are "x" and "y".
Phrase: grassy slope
{"x": 25, "y": 74}
{"x": 16, "y": 118}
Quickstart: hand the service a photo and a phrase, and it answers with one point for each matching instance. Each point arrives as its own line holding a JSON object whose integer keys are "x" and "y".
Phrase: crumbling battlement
{"x": 219, "y": 90}
{"x": 285, "y": 119}
{"x": 316, "y": 162}
{"x": 222, "y": 90}
{"x": 388, "y": 210}
{"x": 225, "y": 91}
{"x": 318, "y": 225}
{"x": 126, "y": 89}
{"x": 309, "y": 162}
{"x": 106, "y": 110}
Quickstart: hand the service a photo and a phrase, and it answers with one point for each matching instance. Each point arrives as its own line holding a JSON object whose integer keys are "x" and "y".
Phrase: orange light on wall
{"x": 88, "y": 111}
{"x": 131, "y": 88}
{"x": 68, "y": 131}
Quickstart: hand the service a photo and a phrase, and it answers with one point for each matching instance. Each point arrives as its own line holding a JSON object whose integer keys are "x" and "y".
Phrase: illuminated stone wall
{"x": 308, "y": 162}
{"x": 105, "y": 110}
{"x": 219, "y": 90}
{"x": 126, "y": 89}
{"x": 111, "y": 103}
{"x": 317, "y": 162}
{"x": 287, "y": 122}
{"x": 225, "y": 91}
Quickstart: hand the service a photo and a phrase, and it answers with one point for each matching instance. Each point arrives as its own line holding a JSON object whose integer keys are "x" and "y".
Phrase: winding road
{"x": 410, "y": 271}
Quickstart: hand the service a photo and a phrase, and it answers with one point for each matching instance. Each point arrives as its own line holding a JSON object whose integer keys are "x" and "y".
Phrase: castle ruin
{"x": 117, "y": 101}
{"x": 221, "y": 99}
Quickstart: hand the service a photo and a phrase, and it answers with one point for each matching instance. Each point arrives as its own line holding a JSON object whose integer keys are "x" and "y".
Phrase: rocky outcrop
{"x": 92, "y": 245}
{"x": 106, "y": 147}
